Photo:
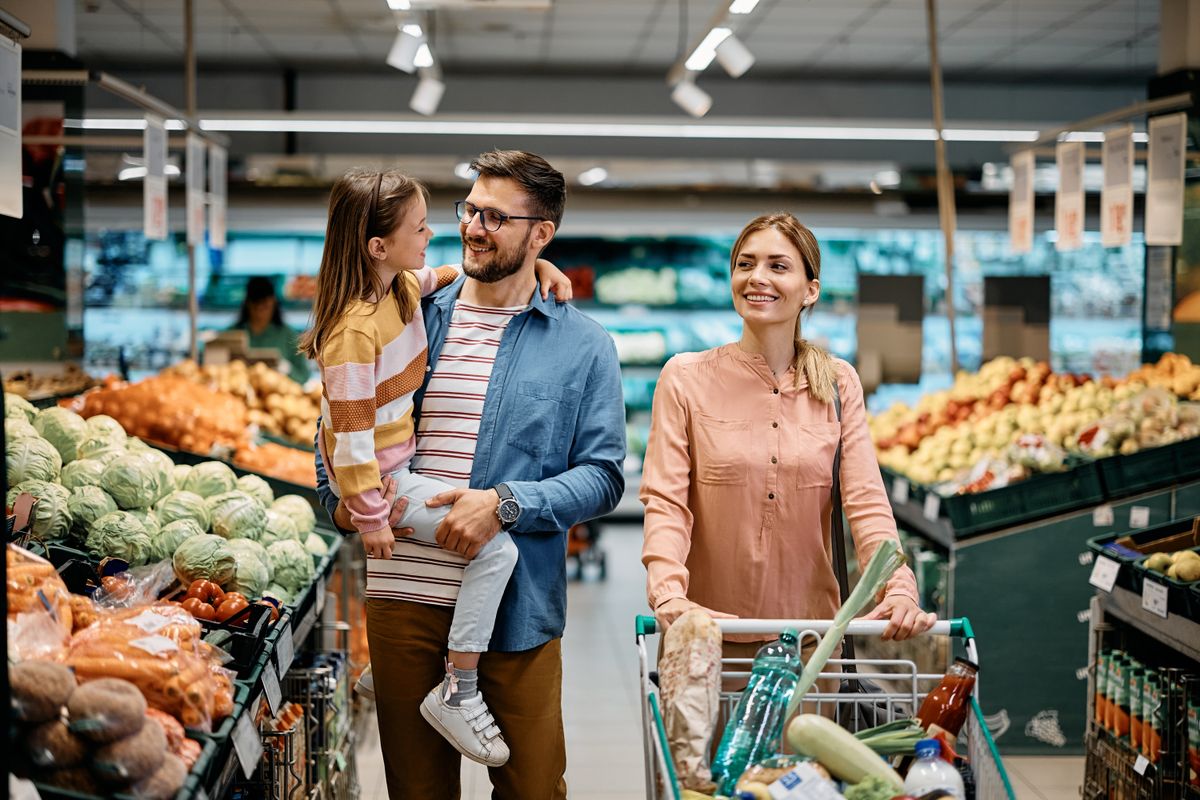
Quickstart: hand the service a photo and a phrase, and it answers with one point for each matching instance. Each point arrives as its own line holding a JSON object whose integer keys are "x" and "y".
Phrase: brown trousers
{"x": 523, "y": 691}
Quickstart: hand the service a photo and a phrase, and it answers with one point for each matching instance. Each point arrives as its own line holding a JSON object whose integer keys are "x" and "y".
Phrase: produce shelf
{"x": 1177, "y": 632}
{"x": 1150, "y": 469}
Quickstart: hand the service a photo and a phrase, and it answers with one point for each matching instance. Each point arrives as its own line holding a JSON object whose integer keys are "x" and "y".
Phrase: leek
{"x": 886, "y": 559}
{"x": 897, "y": 738}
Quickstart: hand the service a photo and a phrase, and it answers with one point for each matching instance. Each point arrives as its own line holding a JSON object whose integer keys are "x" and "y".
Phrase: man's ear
{"x": 543, "y": 232}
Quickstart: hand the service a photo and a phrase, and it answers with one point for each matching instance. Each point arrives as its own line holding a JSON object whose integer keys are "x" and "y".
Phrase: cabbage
{"x": 82, "y": 472}
{"x": 148, "y": 519}
{"x": 182, "y": 505}
{"x": 164, "y": 544}
{"x": 131, "y": 481}
{"x": 253, "y": 572}
{"x": 104, "y": 424}
{"x": 95, "y": 444}
{"x": 279, "y": 527}
{"x": 88, "y": 504}
{"x": 279, "y": 593}
{"x": 17, "y": 406}
{"x": 106, "y": 457}
{"x": 119, "y": 535}
{"x": 236, "y": 515}
{"x": 210, "y": 478}
{"x": 62, "y": 428}
{"x": 299, "y": 510}
{"x": 257, "y": 488}
{"x": 316, "y": 545}
{"x": 18, "y": 428}
{"x": 291, "y": 565}
{"x": 51, "y": 518}
{"x": 136, "y": 445}
{"x": 164, "y": 470}
{"x": 180, "y": 473}
{"x": 31, "y": 459}
{"x": 204, "y": 556}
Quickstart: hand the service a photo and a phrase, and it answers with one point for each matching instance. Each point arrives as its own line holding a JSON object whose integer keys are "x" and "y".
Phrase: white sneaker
{"x": 365, "y": 685}
{"x": 471, "y": 728}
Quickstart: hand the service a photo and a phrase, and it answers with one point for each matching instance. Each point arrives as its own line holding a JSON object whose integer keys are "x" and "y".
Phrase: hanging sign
{"x": 217, "y": 196}
{"x": 11, "y": 172}
{"x": 1116, "y": 196}
{"x": 1020, "y": 203}
{"x": 195, "y": 189}
{"x": 1068, "y": 200}
{"x": 1164, "y": 180}
{"x": 154, "y": 186}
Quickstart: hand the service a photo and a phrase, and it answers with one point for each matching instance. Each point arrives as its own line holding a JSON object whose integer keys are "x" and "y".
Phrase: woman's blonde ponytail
{"x": 815, "y": 365}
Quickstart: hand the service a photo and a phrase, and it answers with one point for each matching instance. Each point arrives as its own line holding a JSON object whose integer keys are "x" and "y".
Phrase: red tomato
{"x": 198, "y": 608}
{"x": 231, "y": 606}
{"x": 207, "y": 591}
{"x": 273, "y": 606}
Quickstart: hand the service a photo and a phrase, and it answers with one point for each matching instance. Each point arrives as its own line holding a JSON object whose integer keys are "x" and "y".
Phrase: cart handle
{"x": 961, "y": 627}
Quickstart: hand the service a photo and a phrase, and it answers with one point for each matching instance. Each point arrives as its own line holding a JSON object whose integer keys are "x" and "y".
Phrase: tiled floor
{"x": 601, "y": 711}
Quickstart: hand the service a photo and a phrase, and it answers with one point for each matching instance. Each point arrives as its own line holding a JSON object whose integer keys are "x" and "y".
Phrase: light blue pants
{"x": 484, "y": 577}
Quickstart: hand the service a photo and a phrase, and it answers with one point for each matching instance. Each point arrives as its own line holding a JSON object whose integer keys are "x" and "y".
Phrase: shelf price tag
{"x": 270, "y": 682}
{"x": 247, "y": 744}
{"x": 933, "y": 504}
{"x": 285, "y": 649}
{"x": 1140, "y": 765}
{"x": 900, "y": 491}
{"x": 1104, "y": 573}
{"x": 1139, "y": 516}
{"x": 1154, "y": 598}
{"x": 1102, "y": 516}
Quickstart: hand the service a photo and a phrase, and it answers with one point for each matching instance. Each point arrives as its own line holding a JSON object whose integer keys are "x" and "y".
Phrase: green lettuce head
{"x": 180, "y": 473}
{"x": 291, "y": 565}
{"x": 164, "y": 470}
{"x": 316, "y": 545}
{"x": 183, "y": 505}
{"x": 205, "y": 557}
{"x": 62, "y": 428}
{"x": 210, "y": 478}
{"x": 148, "y": 519}
{"x": 31, "y": 459}
{"x": 51, "y": 517}
{"x": 253, "y": 572}
{"x": 96, "y": 444}
{"x": 257, "y": 488}
{"x": 236, "y": 515}
{"x": 164, "y": 544}
{"x": 119, "y": 535}
{"x": 131, "y": 480}
{"x": 135, "y": 445}
{"x": 279, "y": 527}
{"x": 298, "y": 510}
{"x": 17, "y": 406}
{"x": 88, "y": 504}
{"x": 104, "y": 424}
{"x": 18, "y": 428}
{"x": 279, "y": 593}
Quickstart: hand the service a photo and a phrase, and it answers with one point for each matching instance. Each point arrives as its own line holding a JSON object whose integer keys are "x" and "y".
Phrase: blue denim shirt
{"x": 553, "y": 429}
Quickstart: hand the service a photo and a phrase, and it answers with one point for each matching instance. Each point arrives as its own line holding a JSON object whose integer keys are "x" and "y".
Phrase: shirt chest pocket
{"x": 812, "y": 459}
{"x": 542, "y": 418}
{"x": 720, "y": 450}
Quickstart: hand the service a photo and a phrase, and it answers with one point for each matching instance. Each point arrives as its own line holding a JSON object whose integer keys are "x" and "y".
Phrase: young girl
{"x": 368, "y": 337}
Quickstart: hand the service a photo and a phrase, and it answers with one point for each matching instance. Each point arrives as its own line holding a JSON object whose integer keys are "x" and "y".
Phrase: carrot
{"x": 134, "y": 670}
{"x": 222, "y": 704}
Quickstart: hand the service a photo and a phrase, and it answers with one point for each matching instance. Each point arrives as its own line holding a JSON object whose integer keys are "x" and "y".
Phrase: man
{"x": 522, "y": 408}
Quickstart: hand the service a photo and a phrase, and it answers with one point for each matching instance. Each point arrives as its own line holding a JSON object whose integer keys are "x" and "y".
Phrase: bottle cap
{"x": 968, "y": 662}
{"x": 790, "y": 633}
{"x": 928, "y": 747}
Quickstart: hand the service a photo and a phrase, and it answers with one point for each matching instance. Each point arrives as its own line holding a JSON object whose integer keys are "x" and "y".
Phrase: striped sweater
{"x": 371, "y": 366}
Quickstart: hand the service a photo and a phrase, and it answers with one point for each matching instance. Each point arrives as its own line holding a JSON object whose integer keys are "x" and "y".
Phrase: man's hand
{"x": 666, "y": 614}
{"x": 905, "y": 618}
{"x": 471, "y": 523}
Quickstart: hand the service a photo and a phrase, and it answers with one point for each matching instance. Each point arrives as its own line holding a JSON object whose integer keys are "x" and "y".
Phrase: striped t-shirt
{"x": 446, "y": 435}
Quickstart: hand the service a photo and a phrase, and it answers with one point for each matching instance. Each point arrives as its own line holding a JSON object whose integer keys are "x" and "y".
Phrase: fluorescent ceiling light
{"x": 135, "y": 173}
{"x": 742, "y": 6}
{"x": 399, "y": 5}
{"x": 424, "y": 58}
{"x": 591, "y": 177}
{"x": 413, "y": 29}
{"x": 699, "y": 60}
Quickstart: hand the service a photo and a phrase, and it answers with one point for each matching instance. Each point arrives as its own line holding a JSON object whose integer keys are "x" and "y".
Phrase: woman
{"x": 261, "y": 318}
{"x": 739, "y": 464}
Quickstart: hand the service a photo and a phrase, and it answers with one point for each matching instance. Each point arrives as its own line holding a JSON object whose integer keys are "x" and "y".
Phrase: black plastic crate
{"x": 246, "y": 642}
{"x": 1182, "y": 598}
{"x": 1131, "y": 577}
{"x": 1149, "y": 469}
{"x": 1042, "y": 495}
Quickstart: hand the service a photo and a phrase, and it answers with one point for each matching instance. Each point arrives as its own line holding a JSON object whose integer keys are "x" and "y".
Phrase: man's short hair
{"x": 542, "y": 183}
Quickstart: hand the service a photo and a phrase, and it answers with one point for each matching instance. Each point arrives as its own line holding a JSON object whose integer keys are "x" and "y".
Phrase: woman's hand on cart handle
{"x": 905, "y": 618}
{"x": 672, "y": 609}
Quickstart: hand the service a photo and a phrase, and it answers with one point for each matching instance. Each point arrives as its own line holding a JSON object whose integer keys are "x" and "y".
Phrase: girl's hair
{"x": 362, "y": 205}
{"x": 812, "y": 362}
{"x": 259, "y": 288}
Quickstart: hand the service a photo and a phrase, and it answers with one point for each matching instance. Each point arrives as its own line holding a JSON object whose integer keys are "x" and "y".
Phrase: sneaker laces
{"x": 451, "y": 685}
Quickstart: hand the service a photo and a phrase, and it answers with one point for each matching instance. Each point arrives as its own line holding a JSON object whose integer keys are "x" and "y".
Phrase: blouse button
{"x": 771, "y": 496}
{"x": 774, "y": 424}
{"x": 774, "y": 391}
{"x": 774, "y": 460}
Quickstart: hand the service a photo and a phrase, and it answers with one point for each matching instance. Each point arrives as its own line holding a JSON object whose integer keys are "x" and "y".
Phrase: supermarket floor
{"x": 600, "y": 708}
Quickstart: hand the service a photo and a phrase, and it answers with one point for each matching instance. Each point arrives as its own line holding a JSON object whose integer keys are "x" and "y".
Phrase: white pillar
{"x": 1178, "y": 35}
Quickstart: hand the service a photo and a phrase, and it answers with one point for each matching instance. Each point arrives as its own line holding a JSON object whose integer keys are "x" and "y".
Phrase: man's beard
{"x": 501, "y": 263}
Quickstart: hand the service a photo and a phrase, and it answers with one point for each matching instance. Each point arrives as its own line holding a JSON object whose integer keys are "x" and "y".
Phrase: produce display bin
{"x": 1041, "y": 496}
{"x": 1149, "y": 469}
{"x": 1181, "y": 599}
{"x": 1176, "y": 535}
{"x": 247, "y": 643}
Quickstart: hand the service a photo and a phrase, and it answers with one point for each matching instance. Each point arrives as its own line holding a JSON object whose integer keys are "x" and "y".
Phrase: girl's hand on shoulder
{"x": 905, "y": 618}
{"x": 666, "y": 614}
{"x": 553, "y": 280}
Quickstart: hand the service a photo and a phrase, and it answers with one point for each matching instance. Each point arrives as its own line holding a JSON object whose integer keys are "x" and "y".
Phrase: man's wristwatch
{"x": 509, "y": 510}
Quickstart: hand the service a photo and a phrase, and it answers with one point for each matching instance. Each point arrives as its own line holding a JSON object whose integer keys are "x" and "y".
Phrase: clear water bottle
{"x": 755, "y": 728}
{"x": 932, "y": 772}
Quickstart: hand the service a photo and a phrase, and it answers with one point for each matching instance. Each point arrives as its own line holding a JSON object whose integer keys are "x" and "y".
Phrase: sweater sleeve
{"x": 348, "y": 359}
{"x": 430, "y": 279}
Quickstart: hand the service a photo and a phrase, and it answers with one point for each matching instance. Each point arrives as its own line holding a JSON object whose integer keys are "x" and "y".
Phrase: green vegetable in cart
{"x": 257, "y": 488}
{"x": 236, "y": 515}
{"x": 279, "y": 527}
{"x": 82, "y": 472}
{"x": 253, "y": 572}
{"x": 62, "y": 428}
{"x": 18, "y": 428}
{"x": 299, "y": 510}
{"x": 838, "y": 751}
{"x": 31, "y": 459}
{"x": 182, "y": 504}
{"x": 897, "y": 738}
{"x": 51, "y": 517}
{"x": 316, "y": 545}
{"x": 119, "y": 535}
{"x": 291, "y": 565}
{"x": 209, "y": 479}
{"x": 88, "y": 504}
{"x": 164, "y": 543}
{"x": 131, "y": 481}
{"x": 17, "y": 406}
{"x": 870, "y": 788}
{"x": 204, "y": 557}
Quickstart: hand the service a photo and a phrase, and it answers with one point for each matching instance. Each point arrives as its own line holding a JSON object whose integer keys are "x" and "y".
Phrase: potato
{"x": 1159, "y": 562}
{"x": 163, "y": 783}
{"x": 39, "y": 689}
{"x": 107, "y": 709}
{"x": 1187, "y": 570}
{"x": 1185, "y": 555}
{"x": 52, "y": 745}
{"x": 132, "y": 758}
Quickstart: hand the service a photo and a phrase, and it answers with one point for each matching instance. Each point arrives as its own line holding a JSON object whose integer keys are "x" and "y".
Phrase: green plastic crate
{"x": 1150, "y": 469}
{"x": 1041, "y": 496}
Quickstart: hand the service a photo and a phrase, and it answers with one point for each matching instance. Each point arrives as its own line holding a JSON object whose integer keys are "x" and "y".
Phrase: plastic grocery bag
{"x": 689, "y": 679}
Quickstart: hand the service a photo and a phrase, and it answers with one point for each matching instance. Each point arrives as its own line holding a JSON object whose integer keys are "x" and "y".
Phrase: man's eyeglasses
{"x": 491, "y": 219}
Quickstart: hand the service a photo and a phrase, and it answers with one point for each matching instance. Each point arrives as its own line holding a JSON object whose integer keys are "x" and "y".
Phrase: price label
{"x": 285, "y": 649}
{"x": 270, "y": 682}
{"x": 900, "y": 490}
{"x": 1154, "y": 598}
{"x": 1086, "y": 558}
{"x": 320, "y": 599}
{"x": 933, "y": 504}
{"x": 1102, "y": 516}
{"x": 1104, "y": 573}
{"x": 1085, "y": 615}
{"x": 1140, "y": 765}
{"x": 1139, "y": 516}
{"x": 1081, "y": 673}
{"x": 247, "y": 744}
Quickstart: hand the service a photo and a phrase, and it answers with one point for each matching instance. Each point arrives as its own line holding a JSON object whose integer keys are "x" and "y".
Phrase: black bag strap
{"x": 837, "y": 531}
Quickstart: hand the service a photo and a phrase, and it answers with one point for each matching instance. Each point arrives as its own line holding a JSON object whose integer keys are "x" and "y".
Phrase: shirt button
{"x": 427, "y": 369}
{"x": 771, "y": 496}
{"x": 774, "y": 424}
{"x": 774, "y": 460}
{"x": 774, "y": 391}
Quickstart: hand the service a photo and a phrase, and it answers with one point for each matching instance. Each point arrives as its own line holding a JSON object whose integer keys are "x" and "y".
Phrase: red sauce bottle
{"x": 946, "y": 707}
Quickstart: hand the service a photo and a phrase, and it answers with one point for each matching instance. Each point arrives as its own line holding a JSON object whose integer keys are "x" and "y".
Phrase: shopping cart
{"x": 905, "y": 687}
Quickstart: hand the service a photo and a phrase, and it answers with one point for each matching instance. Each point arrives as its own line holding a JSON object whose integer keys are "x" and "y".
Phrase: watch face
{"x": 509, "y": 511}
